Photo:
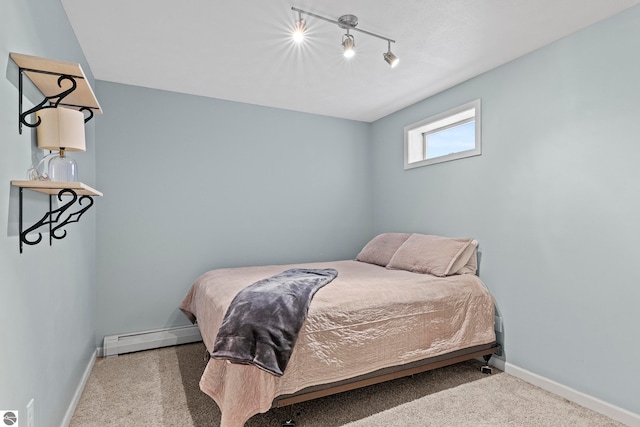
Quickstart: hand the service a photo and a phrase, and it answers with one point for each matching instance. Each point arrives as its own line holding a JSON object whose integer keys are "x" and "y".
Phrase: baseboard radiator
{"x": 114, "y": 345}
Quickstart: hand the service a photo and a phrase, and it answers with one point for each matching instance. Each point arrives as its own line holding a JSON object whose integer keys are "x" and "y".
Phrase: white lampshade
{"x": 61, "y": 128}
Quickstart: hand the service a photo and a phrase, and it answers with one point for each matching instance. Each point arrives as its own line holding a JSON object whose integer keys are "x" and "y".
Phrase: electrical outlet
{"x": 30, "y": 414}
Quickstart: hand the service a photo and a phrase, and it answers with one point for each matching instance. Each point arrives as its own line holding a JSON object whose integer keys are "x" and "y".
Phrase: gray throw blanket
{"x": 262, "y": 323}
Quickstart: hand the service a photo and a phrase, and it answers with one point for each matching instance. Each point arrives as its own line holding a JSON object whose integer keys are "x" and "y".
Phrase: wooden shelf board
{"x": 54, "y": 187}
{"x": 48, "y": 83}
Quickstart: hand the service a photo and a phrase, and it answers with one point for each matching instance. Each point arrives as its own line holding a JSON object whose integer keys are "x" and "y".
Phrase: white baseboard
{"x": 497, "y": 362}
{"x": 614, "y": 412}
{"x": 146, "y": 340}
{"x": 76, "y": 397}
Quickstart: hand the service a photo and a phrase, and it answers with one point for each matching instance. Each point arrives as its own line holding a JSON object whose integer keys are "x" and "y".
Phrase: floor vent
{"x": 114, "y": 345}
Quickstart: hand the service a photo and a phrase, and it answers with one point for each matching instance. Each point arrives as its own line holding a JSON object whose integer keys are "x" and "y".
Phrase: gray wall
{"x": 194, "y": 183}
{"x": 553, "y": 201}
{"x": 47, "y": 293}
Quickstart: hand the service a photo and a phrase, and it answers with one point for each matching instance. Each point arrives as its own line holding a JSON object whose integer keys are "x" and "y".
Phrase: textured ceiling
{"x": 242, "y": 50}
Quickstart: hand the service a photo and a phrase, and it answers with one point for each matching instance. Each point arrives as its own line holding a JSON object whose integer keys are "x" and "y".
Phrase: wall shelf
{"x": 62, "y": 83}
{"x": 54, "y": 187}
{"x": 68, "y": 194}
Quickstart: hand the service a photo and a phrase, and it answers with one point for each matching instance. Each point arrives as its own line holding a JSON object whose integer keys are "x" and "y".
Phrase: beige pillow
{"x": 467, "y": 262}
{"x": 471, "y": 267}
{"x": 381, "y": 248}
{"x": 423, "y": 253}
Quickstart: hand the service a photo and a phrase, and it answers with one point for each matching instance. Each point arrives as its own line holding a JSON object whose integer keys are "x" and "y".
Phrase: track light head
{"x": 388, "y": 56}
{"x": 299, "y": 29}
{"x": 391, "y": 59}
{"x": 349, "y": 44}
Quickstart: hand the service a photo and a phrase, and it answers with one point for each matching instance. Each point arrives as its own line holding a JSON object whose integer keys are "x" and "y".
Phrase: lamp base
{"x": 62, "y": 168}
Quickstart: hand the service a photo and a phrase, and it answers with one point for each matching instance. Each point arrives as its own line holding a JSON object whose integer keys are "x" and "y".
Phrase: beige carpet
{"x": 160, "y": 388}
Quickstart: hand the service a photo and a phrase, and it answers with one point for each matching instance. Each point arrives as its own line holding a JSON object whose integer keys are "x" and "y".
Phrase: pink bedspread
{"x": 367, "y": 319}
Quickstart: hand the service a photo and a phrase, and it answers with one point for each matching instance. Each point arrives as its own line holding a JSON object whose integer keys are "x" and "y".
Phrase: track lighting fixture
{"x": 346, "y": 22}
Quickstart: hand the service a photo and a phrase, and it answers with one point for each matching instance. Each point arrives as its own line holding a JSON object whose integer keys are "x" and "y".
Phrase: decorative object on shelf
{"x": 61, "y": 129}
{"x": 58, "y": 218}
{"x": 346, "y": 22}
{"x": 33, "y": 174}
{"x": 62, "y": 84}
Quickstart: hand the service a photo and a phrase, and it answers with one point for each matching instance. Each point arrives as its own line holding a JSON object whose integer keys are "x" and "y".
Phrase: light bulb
{"x": 349, "y": 46}
{"x": 299, "y": 30}
{"x": 391, "y": 59}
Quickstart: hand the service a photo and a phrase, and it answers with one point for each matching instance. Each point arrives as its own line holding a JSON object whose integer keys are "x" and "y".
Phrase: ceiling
{"x": 242, "y": 50}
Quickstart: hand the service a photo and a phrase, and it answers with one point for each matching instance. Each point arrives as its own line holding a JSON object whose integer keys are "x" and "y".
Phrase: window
{"x": 454, "y": 134}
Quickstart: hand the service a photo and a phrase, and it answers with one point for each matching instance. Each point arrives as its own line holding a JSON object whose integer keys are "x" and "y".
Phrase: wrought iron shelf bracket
{"x": 62, "y": 84}
{"x": 55, "y": 219}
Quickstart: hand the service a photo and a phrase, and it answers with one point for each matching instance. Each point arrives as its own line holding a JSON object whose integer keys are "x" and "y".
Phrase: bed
{"x": 407, "y": 303}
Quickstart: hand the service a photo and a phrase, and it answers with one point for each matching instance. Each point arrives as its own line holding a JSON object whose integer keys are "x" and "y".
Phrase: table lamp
{"x": 61, "y": 129}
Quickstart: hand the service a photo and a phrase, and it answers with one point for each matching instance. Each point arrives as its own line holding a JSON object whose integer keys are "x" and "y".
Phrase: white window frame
{"x": 415, "y": 134}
